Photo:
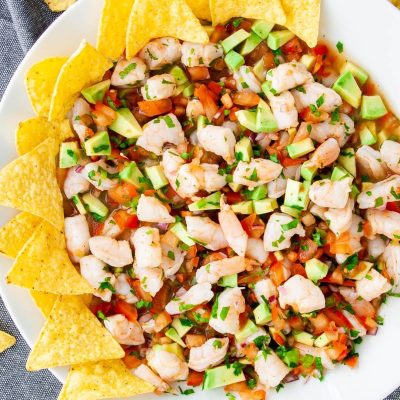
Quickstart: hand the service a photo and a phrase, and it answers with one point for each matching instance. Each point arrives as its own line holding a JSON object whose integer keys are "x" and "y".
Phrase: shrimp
{"x": 171, "y": 162}
{"x": 325, "y": 154}
{"x": 384, "y": 223}
{"x": 111, "y": 228}
{"x": 315, "y": 352}
{"x": 145, "y": 373}
{"x": 288, "y": 75}
{"x": 270, "y": 368}
{"x": 172, "y": 259}
{"x": 233, "y": 303}
{"x": 206, "y": 231}
{"x": 356, "y": 233}
{"x": 301, "y": 294}
{"x": 80, "y": 109}
{"x": 391, "y": 258}
{"x": 150, "y": 209}
{"x": 232, "y": 229}
{"x": 116, "y": 253}
{"x": 197, "y": 294}
{"x": 161, "y": 130}
{"x": 147, "y": 323}
{"x": 219, "y": 140}
{"x": 264, "y": 290}
{"x": 77, "y": 237}
{"x": 146, "y": 242}
{"x": 284, "y": 110}
{"x": 215, "y": 270}
{"x": 213, "y": 181}
{"x": 277, "y": 187}
{"x": 189, "y": 180}
{"x": 390, "y": 153}
{"x": 360, "y": 306}
{"x": 359, "y": 329}
{"x": 279, "y": 231}
{"x": 380, "y": 193}
{"x": 129, "y": 73}
{"x": 311, "y": 92}
{"x": 195, "y": 54}
{"x": 151, "y": 279}
{"x": 376, "y": 247}
{"x": 124, "y": 290}
{"x": 211, "y": 353}
{"x": 75, "y": 183}
{"x": 159, "y": 87}
{"x": 369, "y": 163}
{"x": 246, "y": 80}
{"x": 372, "y": 285}
{"x": 168, "y": 365}
{"x": 340, "y": 219}
{"x": 160, "y": 52}
{"x": 124, "y": 331}
{"x": 256, "y": 173}
{"x": 255, "y": 250}
{"x": 194, "y": 108}
{"x": 330, "y": 194}
{"x": 97, "y": 174}
{"x": 92, "y": 269}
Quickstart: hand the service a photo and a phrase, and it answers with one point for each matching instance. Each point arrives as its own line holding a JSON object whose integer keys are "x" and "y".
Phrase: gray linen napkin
{"x": 21, "y": 23}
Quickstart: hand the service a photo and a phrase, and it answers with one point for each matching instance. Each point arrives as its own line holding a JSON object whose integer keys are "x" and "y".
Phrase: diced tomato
{"x": 160, "y": 300}
{"x": 251, "y": 394}
{"x": 194, "y": 340}
{"x": 245, "y": 99}
{"x": 220, "y": 33}
{"x": 199, "y": 73}
{"x": 162, "y": 320}
{"x": 289, "y": 162}
{"x": 393, "y": 206}
{"x": 96, "y": 227}
{"x": 195, "y": 378}
{"x": 320, "y": 49}
{"x": 292, "y": 46}
{"x": 111, "y": 99}
{"x": 250, "y": 351}
{"x": 129, "y": 310}
{"x": 99, "y": 305}
{"x": 215, "y": 87}
{"x": 138, "y": 291}
{"x": 103, "y": 115}
{"x": 298, "y": 269}
{"x": 137, "y": 153}
{"x": 122, "y": 193}
{"x": 349, "y": 283}
{"x": 336, "y": 277}
{"x": 116, "y": 155}
{"x": 277, "y": 273}
{"x": 338, "y": 318}
{"x": 131, "y": 361}
{"x": 320, "y": 323}
{"x": 351, "y": 361}
{"x": 308, "y": 116}
{"x": 296, "y": 323}
{"x": 337, "y": 351}
{"x": 278, "y": 338}
{"x": 232, "y": 114}
{"x": 151, "y": 108}
{"x": 341, "y": 244}
{"x": 125, "y": 220}
{"x": 233, "y": 197}
{"x": 208, "y": 102}
{"x": 236, "y": 387}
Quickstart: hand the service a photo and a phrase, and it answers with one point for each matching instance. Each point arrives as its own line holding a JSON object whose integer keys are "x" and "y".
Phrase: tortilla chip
{"x": 16, "y": 232}
{"x": 201, "y": 8}
{"x": 85, "y": 67}
{"x": 112, "y": 28}
{"x": 39, "y": 82}
{"x": 303, "y": 19}
{"x": 59, "y": 5}
{"x": 29, "y": 184}
{"x": 102, "y": 380}
{"x": 33, "y": 131}
{"x": 270, "y": 10}
{"x": 72, "y": 335}
{"x": 44, "y": 301}
{"x": 151, "y": 19}
{"x": 43, "y": 264}
{"x": 6, "y": 341}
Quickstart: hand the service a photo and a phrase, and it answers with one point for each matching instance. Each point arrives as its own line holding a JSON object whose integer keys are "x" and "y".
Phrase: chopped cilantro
{"x": 320, "y": 100}
{"x": 224, "y": 313}
{"x": 262, "y": 341}
{"x": 339, "y": 46}
{"x": 319, "y": 367}
{"x": 217, "y": 344}
{"x": 186, "y": 391}
{"x": 351, "y": 262}
{"x": 107, "y": 285}
{"x": 171, "y": 255}
{"x": 124, "y": 73}
{"x": 101, "y": 316}
{"x": 236, "y": 22}
{"x": 290, "y": 225}
{"x": 143, "y": 304}
{"x": 378, "y": 202}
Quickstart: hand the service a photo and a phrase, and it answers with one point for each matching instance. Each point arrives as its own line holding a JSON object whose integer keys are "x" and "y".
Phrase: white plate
{"x": 370, "y": 31}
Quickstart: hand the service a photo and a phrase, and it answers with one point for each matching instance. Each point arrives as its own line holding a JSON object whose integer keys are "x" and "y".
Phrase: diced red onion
{"x": 79, "y": 169}
{"x": 291, "y": 378}
{"x": 163, "y": 226}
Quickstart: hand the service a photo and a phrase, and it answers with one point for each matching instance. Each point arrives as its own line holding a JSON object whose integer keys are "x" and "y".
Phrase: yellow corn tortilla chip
{"x": 43, "y": 264}
{"x": 151, "y": 19}
{"x": 39, "y": 82}
{"x": 112, "y": 28}
{"x": 72, "y": 335}
{"x": 303, "y": 19}
{"x": 201, "y": 8}
{"x": 29, "y": 184}
{"x": 85, "y": 67}
{"x": 102, "y": 380}
{"x": 270, "y": 10}
{"x": 6, "y": 341}
{"x": 33, "y": 131}
{"x": 16, "y": 232}
{"x": 59, "y": 5}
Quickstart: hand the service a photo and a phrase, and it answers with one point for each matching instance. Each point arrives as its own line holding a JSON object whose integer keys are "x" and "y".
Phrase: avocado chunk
{"x": 244, "y": 207}
{"x": 233, "y": 40}
{"x": 308, "y": 171}
{"x": 304, "y": 337}
{"x": 202, "y": 122}
{"x": 156, "y": 176}
{"x": 211, "y": 202}
{"x": 347, "y": 160}
{"x": 294, "y": 212}
{"x": 296, "y": 195}
{"x": 173, "y": 335}
{"x": 125, "y": 124}
{"x": 258, "y": 193}
{"x": 267, "y": 89}
{"x": 180, "y": 231}
{"x": 188, "y": 91}
{"x": 94, "y": 205}
{"x": 291, "y": 358}
{"x": 262, "y": 314}
{"x": 98, "y": 145}
{"x": 262, "y": 28}
{"x": 368, "y": 134}
{"x": 372, "y": 107}
{"x": 279, "y": 38}
{"x": 247, "y": 118}
{"x": 322, "y": 340}
{"x": 248, "y": 329}
{"x": 234, "y": 60}
{"x": 173, "y": 348}
{"x": 265, "y": 120}
{"x": 300, "y": 148}
{"x": 358, "y": 73}
{"x": 235, "y": 186}
{"x": 250, "y": 44}
{"x": 132, "y": 174}
{"x": 180, "y": 328}
{"x": 259, "y": 70}
{"x": 308, "y": 60}
{"x": 221, "y": 376}
{"x": 316, "y": 269}
{"x": 228, "y": 281}
{"x": 95, "y": 93}
{"x": 179, "y": 75}
{"x": 339, "y": 173}
{"x": 354, "y": 191}
{"x": 69, "y": 154}
{"x": 264, "y": 206}
{"x": 346, "y": 87}
{"x": 243, "y": 149}
{"x": 78, "y": 204}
